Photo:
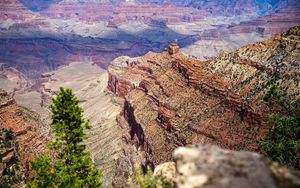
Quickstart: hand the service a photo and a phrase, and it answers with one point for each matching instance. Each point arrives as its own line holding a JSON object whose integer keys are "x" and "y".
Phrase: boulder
{"x": 209, "y": 166}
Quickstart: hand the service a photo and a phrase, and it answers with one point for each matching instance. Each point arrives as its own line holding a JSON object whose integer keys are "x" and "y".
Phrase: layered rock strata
{"x": 11, "y": 80}
{"x": 61, "y": 32}
{"x": 88, "y": 82}
{"x": 11, "y": 171}
{"x": 32, "y": 136}
{"x": 171, "y": 100}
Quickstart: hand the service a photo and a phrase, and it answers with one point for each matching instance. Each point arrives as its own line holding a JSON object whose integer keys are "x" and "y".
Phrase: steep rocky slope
{"x": 171, "y": 100}
{"x": 31, "y": 135}
{"x": 11, "y": 171}
{"x": 88, "y": 82}
{"x": 12, "y": 80}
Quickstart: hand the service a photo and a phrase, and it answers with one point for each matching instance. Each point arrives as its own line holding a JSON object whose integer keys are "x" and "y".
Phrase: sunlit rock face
{"x": 172, "y": 100}
{"x": 39, "y": 36}
{"x": 71, "y": 43}
{"x": 88, "y": 82}
{"x": 31, "y": 134}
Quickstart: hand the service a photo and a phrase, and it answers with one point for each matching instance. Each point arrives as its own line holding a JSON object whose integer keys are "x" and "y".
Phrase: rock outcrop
{"x": 31, "y": 135}
{"x": 207, "y": 166}
{"x": 171, "y": 100}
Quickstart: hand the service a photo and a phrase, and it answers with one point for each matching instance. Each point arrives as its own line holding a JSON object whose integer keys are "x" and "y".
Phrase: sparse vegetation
{"x": 148, "y": 180}
{"x": 71, "y": 165}
{"x": 283, "y": 145}
{"x": 10, "y": 174}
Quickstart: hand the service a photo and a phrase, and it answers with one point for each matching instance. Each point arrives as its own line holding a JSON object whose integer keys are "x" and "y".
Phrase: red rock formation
{"x": 121, "y": 13}
{"x": 31, "y": 135}
{"x": 34, "y": 43}
{"x": 172, "y": 100}
{"x": 272, "y": 23}
{"x": 8, "y": 10}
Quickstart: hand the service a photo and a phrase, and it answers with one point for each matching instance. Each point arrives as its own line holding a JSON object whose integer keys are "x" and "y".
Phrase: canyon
{"x": 34, "y": 42}
{"x": 89, "y": 85}
{"x": 171, "y": 100}
{"x": 151, "y": 76}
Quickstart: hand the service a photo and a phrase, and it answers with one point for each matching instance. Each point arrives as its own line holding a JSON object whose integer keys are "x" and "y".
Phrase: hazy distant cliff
{"x": 220, "y": 6}
{"x": 68, "y": 31}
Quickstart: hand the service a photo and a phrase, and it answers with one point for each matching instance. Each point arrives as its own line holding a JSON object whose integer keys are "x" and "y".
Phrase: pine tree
{"x": 71, "y": 166}
{"x": 283, "y": 145}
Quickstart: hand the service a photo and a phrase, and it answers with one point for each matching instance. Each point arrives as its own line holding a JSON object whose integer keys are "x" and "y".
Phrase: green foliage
{"x": 9, "y": 138}
{"x": 72, "y": 166}
{"x": 148, "y": 180}
{"x": 10, "y": 174}
{"x": 45, "y": 172}
{"x": 283, "y": 145}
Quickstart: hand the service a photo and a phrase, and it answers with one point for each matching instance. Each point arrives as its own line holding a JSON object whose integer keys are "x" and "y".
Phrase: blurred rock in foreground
{"x": 209, "y": 166}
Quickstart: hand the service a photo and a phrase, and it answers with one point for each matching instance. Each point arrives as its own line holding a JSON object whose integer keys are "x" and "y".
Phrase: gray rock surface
{"x": 212, "y": 167}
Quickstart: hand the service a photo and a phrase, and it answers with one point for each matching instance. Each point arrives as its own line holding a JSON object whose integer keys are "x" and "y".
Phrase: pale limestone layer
{"x": 210, "y": 47}
{"x": 12, "y": 80}
{"x": 88, "y": 82}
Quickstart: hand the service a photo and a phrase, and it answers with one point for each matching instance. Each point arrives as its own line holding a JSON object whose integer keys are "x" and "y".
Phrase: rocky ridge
{"x": 105, "y": 141}
{"x": 171, "y": 100}
{"x": 31, "y": 135}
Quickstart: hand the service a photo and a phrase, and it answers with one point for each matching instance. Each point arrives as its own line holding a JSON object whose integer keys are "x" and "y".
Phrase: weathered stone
{"x": 208, "y": 166}
{"x": 173, "y": 49}
{"x": 167, "y": 170}
{"x": 29, "y": 130}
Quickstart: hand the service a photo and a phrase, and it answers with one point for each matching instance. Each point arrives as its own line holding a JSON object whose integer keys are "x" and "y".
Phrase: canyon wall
{"x": 31, "y": 134}
{"x": 171, "y": 100}
{"x": 88, "y": 82}
{"x": 220, "y": 7}
{"x": 34, "y": 42}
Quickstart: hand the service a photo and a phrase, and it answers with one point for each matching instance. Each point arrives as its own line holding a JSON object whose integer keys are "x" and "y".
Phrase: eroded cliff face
{"x": 12, "y": 80}
{"x": 31, "y": 135}
{"x": 88, "y": 82}
{"x": 171, "y": 100}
